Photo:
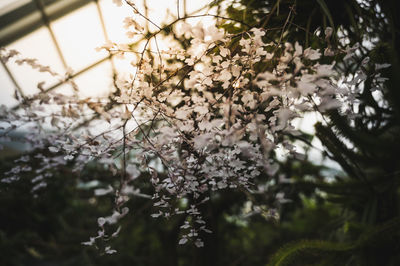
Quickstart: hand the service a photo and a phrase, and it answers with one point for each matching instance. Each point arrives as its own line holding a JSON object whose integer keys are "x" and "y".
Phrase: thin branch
{"x": 177, "y": 8}
{"x": 140, "y": 14}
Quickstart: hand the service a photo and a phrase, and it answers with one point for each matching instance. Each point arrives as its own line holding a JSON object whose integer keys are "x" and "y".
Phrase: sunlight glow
{"x": 78, "y": 34}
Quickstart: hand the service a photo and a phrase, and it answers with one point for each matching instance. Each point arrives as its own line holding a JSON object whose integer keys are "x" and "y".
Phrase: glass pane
{"x": 39, "y": 45}
{"x": 96, "y": 82}
{"x": 78, "y": 34}
{"x": 123, "y": 65}
{"x": 9, "y": 5}
{"x": 7, "y": 88}
{"x": 113, "y": 19}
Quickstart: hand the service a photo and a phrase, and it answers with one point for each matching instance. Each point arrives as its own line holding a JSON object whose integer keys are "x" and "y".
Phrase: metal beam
{"x": 13, "y": 80}
{"x": 103, "y": 27}
{"x": 46, "y": 21}
{"x": 62, "y": 82}
{"x": 26, "y": 19}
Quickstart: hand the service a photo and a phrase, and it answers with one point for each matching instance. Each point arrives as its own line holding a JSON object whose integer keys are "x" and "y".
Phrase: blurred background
{"x": 341, "y": 203}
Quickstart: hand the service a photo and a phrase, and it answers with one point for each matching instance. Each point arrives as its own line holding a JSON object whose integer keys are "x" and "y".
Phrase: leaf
{"x": 183, "y": 241}
{"x": 199, "y": 243}
{"x": 53, "y": 149}
{"x": 101, "y": 221}
{"x": 103, "y": 191}
{"x": 108, "y": 250}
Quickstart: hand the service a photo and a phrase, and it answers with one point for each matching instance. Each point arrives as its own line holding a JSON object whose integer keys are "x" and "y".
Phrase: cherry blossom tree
{"x": 208, "y": 114}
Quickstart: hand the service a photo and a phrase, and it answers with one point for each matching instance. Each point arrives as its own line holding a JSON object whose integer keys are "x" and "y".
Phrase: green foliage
{"x": 334, "y": 253}
{"x": 366, "y": 146}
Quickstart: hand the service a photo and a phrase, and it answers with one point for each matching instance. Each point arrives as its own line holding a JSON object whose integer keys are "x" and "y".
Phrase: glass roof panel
{"x": 39, "y": 45}
{"x": 7, "y": 88}
{"x": 96, "y": 82}
{"x": 10, "y": 5}
{"x": 78, "y": 34}
{"x": 113, "y": 19}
